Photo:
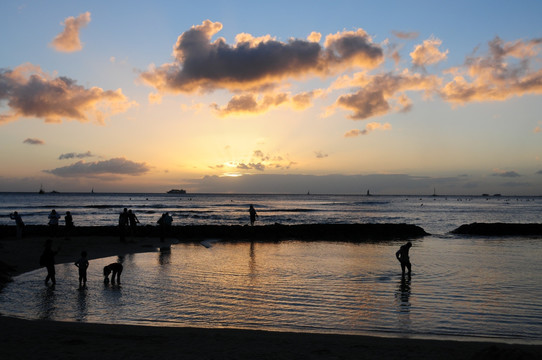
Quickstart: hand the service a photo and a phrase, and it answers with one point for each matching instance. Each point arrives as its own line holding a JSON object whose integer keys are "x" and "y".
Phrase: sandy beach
{"x": 25, "y": 339}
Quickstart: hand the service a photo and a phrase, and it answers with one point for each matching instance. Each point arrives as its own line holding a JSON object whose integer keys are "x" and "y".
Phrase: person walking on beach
{"x": 82, "y": 264}
{"x": 403, "y": 257}
{"x": 133, "y": 220}
{"x": 18, "y": 223}
{"x": 47, "y": 259}
{"x": 116, "y": 269}
{"x": 123, "y": 224}
{"x": 53, "y": 222}
{"x": 253, "y": 215}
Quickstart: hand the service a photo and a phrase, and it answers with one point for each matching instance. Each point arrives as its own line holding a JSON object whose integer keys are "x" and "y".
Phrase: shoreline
{"x": 25, "y": 339}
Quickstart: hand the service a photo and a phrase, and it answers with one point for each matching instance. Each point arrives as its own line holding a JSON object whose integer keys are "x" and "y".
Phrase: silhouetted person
{"x": 123, "y": 224}
{"x": 114, "y": 268}
{"x": 403, "y": 257}
{"x": 47, "y": 259}
{"x": 18, "y": 223}
{"x": 53, "y": 222}
{"x": 82, "y": 264}
{"x": 165, "y": 225}
{"x": 133, "y": 220}
{"x": 253, "y": 215}
{"x": 68, "y": 220}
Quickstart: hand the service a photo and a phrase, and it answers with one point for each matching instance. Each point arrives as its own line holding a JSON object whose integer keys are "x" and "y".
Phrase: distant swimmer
{"x": 403, "y": 257}
{"x": 114, "y": 268}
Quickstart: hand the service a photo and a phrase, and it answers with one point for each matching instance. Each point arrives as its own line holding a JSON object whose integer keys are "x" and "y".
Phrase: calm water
{"x": 461, "y": 286}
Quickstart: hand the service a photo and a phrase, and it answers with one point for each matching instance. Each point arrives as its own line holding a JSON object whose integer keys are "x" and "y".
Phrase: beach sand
{"x": 40, "y": 339}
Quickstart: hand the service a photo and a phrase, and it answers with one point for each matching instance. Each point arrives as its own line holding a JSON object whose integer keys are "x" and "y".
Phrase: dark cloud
{"x": 33, "y": 141}
{"x": 505, "y": 71}
{"x": 75, "y": 155}
{"x": 370, "y": 127}
{"x": 320, "y": 155}
{"x": 202, "y": 65}
{"x": 68, "y": 39}
{"x": 251, "y": 166}
{"x": 30, "y": 92}
{"x": 112, "y": 167}
{"x": 507, "y": 174}
{"x": 380, "y": 94}
{"x": 539, "y": 172}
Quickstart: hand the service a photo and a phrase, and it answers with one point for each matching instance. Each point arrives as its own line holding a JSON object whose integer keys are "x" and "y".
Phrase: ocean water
{"x": 466, "y": 287}
{"x": 437, "y": 215}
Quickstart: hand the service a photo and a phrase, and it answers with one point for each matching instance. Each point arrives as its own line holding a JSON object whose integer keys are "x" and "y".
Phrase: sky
{"x": 339, "y": 97}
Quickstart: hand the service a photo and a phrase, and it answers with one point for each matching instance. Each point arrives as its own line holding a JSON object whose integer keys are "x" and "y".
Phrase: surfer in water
{"x": 403, "y": 257}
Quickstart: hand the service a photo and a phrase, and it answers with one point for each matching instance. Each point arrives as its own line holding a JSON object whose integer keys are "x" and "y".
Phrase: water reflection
{"x": 402, "y": 297}
{"x": 82, "y": 309}
{"x": 47, "y": 299}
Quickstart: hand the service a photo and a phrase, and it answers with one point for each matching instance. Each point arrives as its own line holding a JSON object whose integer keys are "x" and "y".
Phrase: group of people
{"x": 127, "y": 223}
{"x": 47, "y": 260}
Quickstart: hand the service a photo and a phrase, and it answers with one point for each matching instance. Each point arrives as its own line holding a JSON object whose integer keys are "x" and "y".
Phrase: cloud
{"x": 73, "y": 155}
{"x": 251, "y": 166}
{"x": 30, "y": 92}
{"x": 112, "y": 167}
{"x": 202, "y": 65}
{"x": 539, "y": 172}
{"x": 505, "y": 71}
{"x": 537, "y": 130}
{"x": 411, "y": 35}
{"x": 503, "y": 173}
{"x": 250, "y": 103}
{"x": 320, "y": 155}
{"x": 383, "y": 93}
{"x": 369, "y": 128}
{"x": 68, "y": 39}
{"x": 33, "y": 141}
{"x": 428, "y": 53}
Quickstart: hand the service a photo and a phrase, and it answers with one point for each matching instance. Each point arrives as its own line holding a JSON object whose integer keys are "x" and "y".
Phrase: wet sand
{"x": 39, "y": 339}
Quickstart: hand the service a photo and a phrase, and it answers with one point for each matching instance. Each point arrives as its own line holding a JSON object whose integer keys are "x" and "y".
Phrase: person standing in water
{"x": 47, "y": 259}
{"x": 403, "y": 257}
{"x": 116, "y": 269}
{"x": 253, "y": 215}
{"x": 18, "y": 223}
{"x": 82, "y": 264}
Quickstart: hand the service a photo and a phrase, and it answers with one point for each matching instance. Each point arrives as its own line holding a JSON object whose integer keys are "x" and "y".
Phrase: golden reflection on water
{"x": 304, "y": 286}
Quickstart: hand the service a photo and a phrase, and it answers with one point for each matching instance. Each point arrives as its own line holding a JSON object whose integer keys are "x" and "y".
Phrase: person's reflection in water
{"x": 402, "y": 297}
{"x": 82, "y": 305}
{"x": 165, "y": 256}
{"x": 47, "y": 303}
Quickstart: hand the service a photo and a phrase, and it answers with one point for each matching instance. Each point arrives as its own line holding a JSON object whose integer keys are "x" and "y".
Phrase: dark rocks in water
{"x": 499, "y": 229}
{"x": 333, "y": 232}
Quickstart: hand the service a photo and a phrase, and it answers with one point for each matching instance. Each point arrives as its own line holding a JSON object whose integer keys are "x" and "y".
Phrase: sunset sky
{"x": 399, "y": 97}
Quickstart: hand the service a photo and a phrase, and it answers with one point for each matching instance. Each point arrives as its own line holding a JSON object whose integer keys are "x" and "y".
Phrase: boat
{"x": 177, "y": 191}
{"x": 41, "y": 190}
{"x": 368, "y": 193}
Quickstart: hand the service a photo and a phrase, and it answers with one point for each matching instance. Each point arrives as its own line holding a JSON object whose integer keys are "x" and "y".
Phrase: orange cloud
{"x": 378, "y": 93}
{"x": 428, "y": 53}
{"x": 370, "y": 127}
{"x": 252, "y": 63}
{"x": 504, "y": 72}
{"x": 406, "y": 35}
{"x": 30, "y": 92}
{"x": 68, "y": 39}
{"x": 250, "y": 104}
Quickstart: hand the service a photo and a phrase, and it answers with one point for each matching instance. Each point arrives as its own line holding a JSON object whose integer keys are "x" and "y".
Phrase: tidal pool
{"x": 461, "y": 287}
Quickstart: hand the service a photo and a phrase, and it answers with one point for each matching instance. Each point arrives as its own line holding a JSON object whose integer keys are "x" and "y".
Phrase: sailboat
{"x": 41, "y": 190}
{"x": 368, "y": 193}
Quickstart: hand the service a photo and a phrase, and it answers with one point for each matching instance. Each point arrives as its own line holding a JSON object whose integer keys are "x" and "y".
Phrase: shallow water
{"x": 474, "y": 287}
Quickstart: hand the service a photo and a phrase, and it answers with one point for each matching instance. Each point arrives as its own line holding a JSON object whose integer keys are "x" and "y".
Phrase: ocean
{"x": 467, "y": 287}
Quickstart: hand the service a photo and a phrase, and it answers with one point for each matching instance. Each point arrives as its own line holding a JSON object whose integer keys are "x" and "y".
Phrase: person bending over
{"x": 403, "y": 257}
{"x": 114, "y": 268}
